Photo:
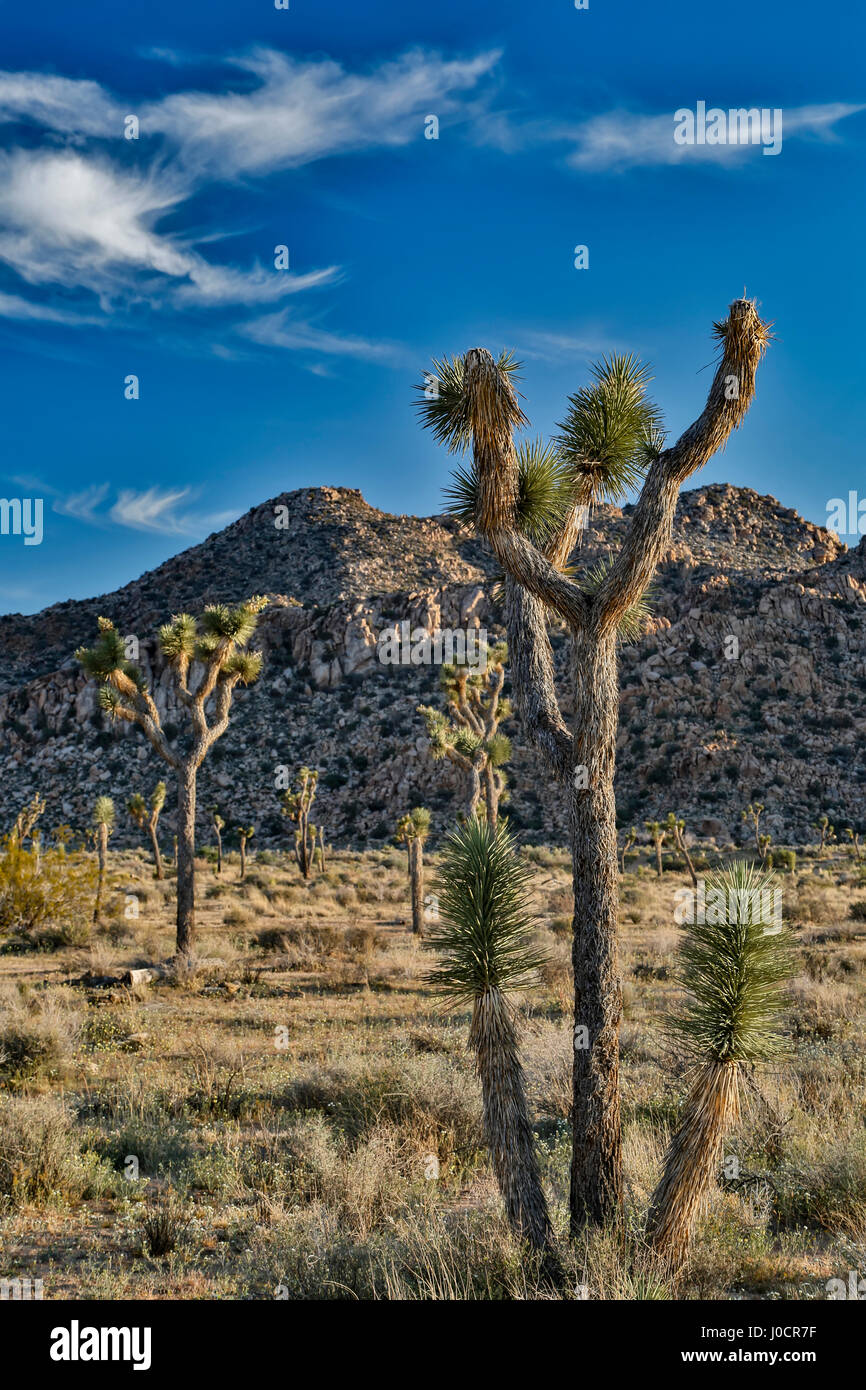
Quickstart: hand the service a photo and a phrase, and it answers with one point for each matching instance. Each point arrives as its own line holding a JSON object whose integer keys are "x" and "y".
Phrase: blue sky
{"x": 305, "y": 128}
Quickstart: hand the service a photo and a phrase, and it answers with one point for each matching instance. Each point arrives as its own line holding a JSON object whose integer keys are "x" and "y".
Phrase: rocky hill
{"x": 750, "y": 686}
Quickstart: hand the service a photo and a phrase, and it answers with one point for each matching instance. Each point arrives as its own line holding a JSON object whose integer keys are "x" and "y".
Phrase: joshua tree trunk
{"x": 507, "y": 1130}
{"x": 681, "y": 846}
{"x": 186, "y": 778}
{"x": 304, "y": 856}
{"x": 102, "y": 856}
{"x": 416, "y": 876}
{"x": 492, "y": 793}
{"x": 243, "y": 844}
{"x": 474, "y": 790}
{"x": 693, "y": 1157}
{"x": 596, "y": 1169}
{"x": 219, "y": 839}
{"x": 659, "y": 869}
{"x": 157, "y": 857}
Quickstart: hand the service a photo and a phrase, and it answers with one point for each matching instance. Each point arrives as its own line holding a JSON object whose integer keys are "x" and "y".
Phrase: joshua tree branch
{"x": 532, "y": 680}
{"x": 744, "y": 337}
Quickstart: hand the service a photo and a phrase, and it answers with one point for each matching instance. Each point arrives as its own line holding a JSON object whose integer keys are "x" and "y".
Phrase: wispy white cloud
{"x": 297, "y": 111}
{"x": 12, "y": 306}
{"x": 543, "y": 346}
{"x": 83, "y": 506}
{"x": 71, "y": 106}
{"x": 166, "y": 511}
{"x": 617, "y": 140}
{"x": 281, "y": 331}
{"x": 71, "y": 219}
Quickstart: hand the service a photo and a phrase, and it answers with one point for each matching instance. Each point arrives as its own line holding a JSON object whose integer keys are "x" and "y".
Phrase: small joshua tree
{"x": 103, "y": 823}
{"x": 675, "y": 827}
{"x": 157, "y": 801}
{"x": 658, "y": 834}
{"x": 630, "y": 839}
{"x": 733, "y": 971}
{"x": 25, "y": 821}
{"x": 753, "y": 813}
{"x": 219, "y": 827}
{"x": 412, "y": 831}
{"x": 483, "y": 938}
{"x": 854, "y": 836}
{"x": 296, "y": 805}
{"x": 764, "y": 842}
{"x": 245, "y": 834}
{"x": 218, "y": 643}
{"x": 467, "y": 732}
{"x": 826, "y": 831}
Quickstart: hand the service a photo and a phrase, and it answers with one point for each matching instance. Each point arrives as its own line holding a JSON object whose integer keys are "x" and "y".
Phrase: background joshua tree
{"x": 219, "y": 827}
{"x": 675, "y": 827}
{"x": 531, "y": 504}
{"x": 733, "y": 971}
{"x": 854, "y": 836}
{"x": 25, "y": 821}
{"x": 412, "y": 831}
{"x": 103, "y": 823}
{"x": 658, "y": 834}
{"x": 296, "y": 805}
{"x": 245, "y": 834}
{"x": 753, "y": 813}
{"x": 483, "y": 937}
{"x": 217, "y": 643}
{"x": 136, "y": 808}
{"x": 468, "y": 732}
{"x": 157, "y": 801}
{"x": 826, "y": 831}
{"x": 630, "y": 839}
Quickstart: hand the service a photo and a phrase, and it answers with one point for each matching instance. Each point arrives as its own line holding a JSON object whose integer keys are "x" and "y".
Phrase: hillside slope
{"x": 707, "y": 724}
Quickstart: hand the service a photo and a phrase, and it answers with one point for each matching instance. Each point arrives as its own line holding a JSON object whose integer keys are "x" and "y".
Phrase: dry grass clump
{"x": 43, "y": 1159}
{"x": 38, "y": 1031}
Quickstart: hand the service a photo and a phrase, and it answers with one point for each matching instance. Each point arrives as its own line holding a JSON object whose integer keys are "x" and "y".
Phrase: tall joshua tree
{"x": 675, "y": 827}
{"x": 468, "y": 731}
{"x": 483, "y": 938}
{"x": 103, "y": 824}
{"x": 157, "y": 801}
{"x": 296, "y": 805}
{"x": 658, "y": 834}
{"x": 412, "y": 831}
{"x": 217, "y": 643}
{"x": 245, "y": 834}
{"x": 733, "y": 970}
{"x": 219, "y": 827}
{"x": 531, "y": 505}
{"x": 753, "y": 813}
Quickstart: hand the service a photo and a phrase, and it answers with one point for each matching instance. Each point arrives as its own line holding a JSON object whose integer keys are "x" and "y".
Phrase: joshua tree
{"x": 753, "y": 813}
{"x": 630, "y": 839}
{"x": 296, "y": 805}
{"x": 531, "y": 506}
{"x": 468, "y": 733}
{"x": 103, "y": 822}
{"x": 218, "y": 642}
{"x": 412, "y": 831}
{"x": 137, "y": 808}
{"x": 854, "y": 837}
{"x": 157, "y": 801}
{"x": 25, "y": 821}
{"x": 826, "y": 831}
{"x": 483, "y": 937}
{"x": 245, "y": 833}
{"x": 320, "y": 849}
{"x": 675, "y": 827}
{"x": 658, "y": 834}
{"x": 219, "y": 827}
{"x": 733, "y": 971}
{"x": 764, "y": 842}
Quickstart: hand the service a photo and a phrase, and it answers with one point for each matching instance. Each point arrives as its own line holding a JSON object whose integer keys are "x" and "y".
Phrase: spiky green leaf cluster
{"x": 107, "y": 657}
{"x": 734, "y": 971}
{"x": 483, "y": 935}
{"x": 415, "y": 825}
{"x": 137, "y": 808}
{"x": 612, "y": 429}
{"x": 103, "y": 812}
{"x": 498, "y": 749}
{"x": 157, "y": 800}
{"x": 445, "y": 407}
{"x": 545, "y": 491}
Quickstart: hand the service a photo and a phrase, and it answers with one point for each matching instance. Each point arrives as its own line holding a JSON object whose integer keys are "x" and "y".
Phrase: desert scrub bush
{"x": 45, "y": 898}
{"x": 164, "y": 1224}
{"x": 822, "y": 1183}
{"x": 38, "y": 1032}
{"x": 43, "y": 1159}
{"x": 857, "y": 911}
{"x": 238, "y": 917}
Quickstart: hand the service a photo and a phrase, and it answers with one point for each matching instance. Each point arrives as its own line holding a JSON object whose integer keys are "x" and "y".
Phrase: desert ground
{"x": 300, "y": 1119}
